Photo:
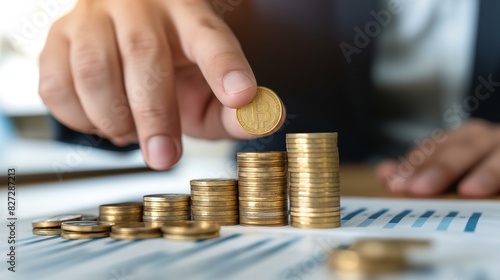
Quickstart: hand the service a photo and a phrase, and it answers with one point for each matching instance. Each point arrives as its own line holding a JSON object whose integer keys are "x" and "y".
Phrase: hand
{"x": 146, "y": 71}
{"x": 468, "y": 156}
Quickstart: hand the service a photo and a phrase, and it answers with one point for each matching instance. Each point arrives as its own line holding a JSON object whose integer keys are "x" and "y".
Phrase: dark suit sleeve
{"x": 67, "y": 135}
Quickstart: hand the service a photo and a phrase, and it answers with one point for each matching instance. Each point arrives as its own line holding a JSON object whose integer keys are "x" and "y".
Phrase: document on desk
{"x": 465, "y": 238}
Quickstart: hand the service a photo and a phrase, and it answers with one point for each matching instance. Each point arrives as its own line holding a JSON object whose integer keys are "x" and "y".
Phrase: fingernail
{"x": 162, "y": 152}
{"x": 427, "y": 182}
{"x": 236, "y": 81}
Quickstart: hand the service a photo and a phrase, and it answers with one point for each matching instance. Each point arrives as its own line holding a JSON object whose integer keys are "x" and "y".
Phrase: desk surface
{"x": 464, "y": 233}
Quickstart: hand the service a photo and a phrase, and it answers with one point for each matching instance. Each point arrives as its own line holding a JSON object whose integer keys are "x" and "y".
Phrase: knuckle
{"x": 141, "y": 42}
{"x": 151, "y": 113}
{"x": 479, "y": 125}
{"x": 91, "y": 67}
{"x": 52, "y": 89}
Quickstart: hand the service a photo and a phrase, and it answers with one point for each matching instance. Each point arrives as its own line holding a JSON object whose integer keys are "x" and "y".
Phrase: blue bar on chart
{"x": 396, "y": 219}
{"x": 352, "y": 214}
{"x": 423, "y": 218}
{"x": 372, "y": 218}
{"x": 472, "y": 222}
{"x": 445, "y": 223}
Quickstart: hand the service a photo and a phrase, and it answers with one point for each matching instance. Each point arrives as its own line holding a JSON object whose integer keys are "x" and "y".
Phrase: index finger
{"x": 207, "y": 41}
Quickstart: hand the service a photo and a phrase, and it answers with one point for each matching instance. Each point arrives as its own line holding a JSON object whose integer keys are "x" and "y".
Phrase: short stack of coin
{"x": 85, "y": 229}
{"x": 191, "y": 230}
{"x": 162, "y": 208}
{"x": 215, "y": 200}
{"x": 52, "y": 225}
{"x": 134, "y": 231}
{"x": 262, "y": 188}
{"x": 313, "y": 165}
{"x": 118, "y": 213}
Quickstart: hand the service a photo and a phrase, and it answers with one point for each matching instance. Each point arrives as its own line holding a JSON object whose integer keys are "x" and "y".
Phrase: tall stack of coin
{"x": 118, "y": 213}
{"x": 162, "y": 208}
{"x": 262, "y": 188}
{"x": 313, "y": 165}
{"x": 215, "y": 200}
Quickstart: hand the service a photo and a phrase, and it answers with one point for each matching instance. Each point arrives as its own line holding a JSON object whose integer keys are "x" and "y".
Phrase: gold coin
{"x": 214, "y": 198}
{"x": 87, "y": 226}
{"x": 133, "y": 228}
{"x": 263, "y": 204}
{"x": 122, "y": 218}
{"x": 323, "y": 170}
{"x": 167, "y": 213}
{"x": 257, "y": 224}
{"x": 313, "y": 135}
{"x": 331, "y": 198}
{"x": 166, "y": 209}
{"x": 262, "y": 199}
{"x": 351, "y": 261}
{"x": 263, "y": 209}
{"x": 212, "y": 193}
{"x": 314, "y": 214}
{"x": 214, "y": 213}
{"x": 120, "y": 208}
{"x": 214, "y": 188}
{"x": 215, "y": 218}
{"x": 281, "y": 174}
{"x": 55, "y": 221}
{"x": 262, "y": 164}
{"x": 268, "y": 182}
{"x": 181, "y": 237}
{"x": 263, "y": 154}
{"x": 155, "y": 224}
{"x": 264, "y": 193}
{"x": 317, "y": 225}
{"x": 210, "y": 182}
{"x": 313, "y": 195}
{"x": 313, "y": 204}
{"x": 166, "y": 204}
{"x": 315, "y": 220}
{"x": 314, "y": 180}
{"x": 311, "y": 160}
{"x": 311, "y": 151}
{"x": 324, "y": 145}
{"x": 135, "y": 236}
{"x": 262, "y": 169}
{"x": 47, "y": 231}
{"x": 314, "y": 187}
{"x": 314, "y": 210}
{"x": 214, "y": 208}
{"x": 314, "y": 175}
{"x": 167, "y": 197}
{"x": 190, "y": 227}
{"x": 214, "y": 203}
{"x": 83, "y": 235}
{"x": 263, "y": 214}
{"x": 310, "y": 140}
{"x": 165, "y": 218}
{"x": 279, "y": 189}
{"x": 261, "y": 115}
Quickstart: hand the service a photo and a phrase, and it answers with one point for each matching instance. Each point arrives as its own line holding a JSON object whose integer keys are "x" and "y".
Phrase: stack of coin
{"x": 85, "y": 229}
{"x": 52, "y": 225}
{"x": 118, "y": 213}
{"x": 134, "y": 231}
{"x": 313, "y": 165}
{"x": 215, "y": 200}
{"x": 262, "y": 188}
{"x": 161, "y": 208}
{"x": 191, "y": 230}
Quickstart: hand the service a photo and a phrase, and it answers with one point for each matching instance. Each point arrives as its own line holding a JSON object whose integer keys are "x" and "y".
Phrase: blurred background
{"x": 25, "y": 129}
